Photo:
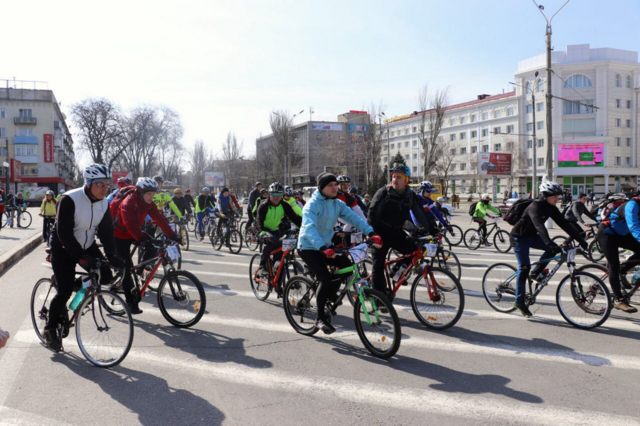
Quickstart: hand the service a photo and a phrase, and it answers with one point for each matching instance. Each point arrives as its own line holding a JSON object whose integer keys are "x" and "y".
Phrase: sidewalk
{"x": 15, "y": 243}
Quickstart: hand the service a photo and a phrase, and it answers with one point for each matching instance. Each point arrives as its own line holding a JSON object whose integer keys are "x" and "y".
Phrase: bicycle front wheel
{"x": 595, "y": 253}
{"x": 448, "y": 260}
{"x": 455, "y": 237}
{"x": 104, "y": 338}
{"x": 258, "y": 279}
{"x": 437, "y": 299}
{"x": 25, "y": 219}
{"x": 502, "y": 241}
{"x": 41, "y": 295}
{"x": 472, "y": 239}
{"x": 377, "y": 323}
{"x": 499, "y": 287}
{"x": 184, "y": 235}
{"x": 251, "y": 238}
{"x": 299, "y": 303}
{"x": 234, "y": 241}
{"x": 583, "y": 300}
{"x": 181, "y": 298}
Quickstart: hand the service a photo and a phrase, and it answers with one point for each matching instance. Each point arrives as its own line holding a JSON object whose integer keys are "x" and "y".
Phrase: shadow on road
{"x": 149, "y": 396}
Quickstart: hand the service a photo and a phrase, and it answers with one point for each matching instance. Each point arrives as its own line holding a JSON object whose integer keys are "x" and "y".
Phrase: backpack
{"x": 114, "y": 206}
{"x": 610, "y": 207}
{"x": 472, "y": 208}
{"x": 515, "y": 212}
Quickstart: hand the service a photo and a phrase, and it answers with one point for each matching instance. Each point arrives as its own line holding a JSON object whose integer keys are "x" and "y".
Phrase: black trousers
{"x": 46, "y": 222}
{"x": 270, "y": 245}
{"x": 123, "y": 250}
{"x": 610, "y": 244}
{"x": 318, "y": 264}
{"x": 482, "y": 227}
{"x": 400, "y": 242}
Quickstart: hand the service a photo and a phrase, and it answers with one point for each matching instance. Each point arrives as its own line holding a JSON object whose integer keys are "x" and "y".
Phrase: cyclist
{"x": 289, "y": 198}
{"x": 264, "y": 194}
{"x": 188, "y": 197}
{"x": 253, "y": 196}
{"x": 354, "y": 193}
{"x": 300, "y": 199}
{"x": 621, "y": 230}
{"x": 530, "y": 232}
{"x": 225, "y": 208}
{"x": 205, "y": 204}
{"x": 180, "y": 200}
{"x": 162, "y": 199}
{"x": 429, "y": 206}
{"x": 390, "y": 208}
{"x": 483, "y": 207}
{"x": 48, "y": 213}
{"x": 576, "y": 210}
{"x": 82, "y": 213}
{"x": 314, "y": 244}
{"x": 271, "y": 221}
{"x": 344, "y": 183}
{"x": 128, "y": 218}
{"x": 121, "y": 183}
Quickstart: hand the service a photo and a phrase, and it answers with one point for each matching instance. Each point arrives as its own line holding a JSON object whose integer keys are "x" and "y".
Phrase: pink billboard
{"x": 581, "y": 155}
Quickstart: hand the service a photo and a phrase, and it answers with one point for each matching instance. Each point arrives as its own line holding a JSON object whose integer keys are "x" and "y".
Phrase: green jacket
{"x": 294, "y": 205}
{"x": 482, "y": 209}
{"x": 162, "y": 199}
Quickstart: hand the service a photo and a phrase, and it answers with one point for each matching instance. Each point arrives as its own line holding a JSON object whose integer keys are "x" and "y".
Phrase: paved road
{"x": 243, "y": 364}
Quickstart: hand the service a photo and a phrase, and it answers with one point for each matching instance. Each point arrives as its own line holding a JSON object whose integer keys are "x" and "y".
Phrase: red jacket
{"x": 129, "y": 218}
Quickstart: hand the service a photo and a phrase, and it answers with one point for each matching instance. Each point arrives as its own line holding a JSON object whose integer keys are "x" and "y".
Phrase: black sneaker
{"x": 134, "y": 308}
{"x": 524, "y": 310}
{"x": 325, "y": 326}
{"x": 52, "y": 340}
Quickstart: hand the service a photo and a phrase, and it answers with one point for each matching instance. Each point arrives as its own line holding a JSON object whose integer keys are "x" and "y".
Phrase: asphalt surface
{"x": 244, "y": 364}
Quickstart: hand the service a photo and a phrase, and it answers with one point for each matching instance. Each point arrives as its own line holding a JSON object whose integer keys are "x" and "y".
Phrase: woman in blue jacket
{"x": 319, "y": 217}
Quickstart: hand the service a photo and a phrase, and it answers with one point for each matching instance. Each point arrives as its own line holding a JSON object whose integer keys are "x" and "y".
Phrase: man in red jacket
{"x": 128, "y": 215}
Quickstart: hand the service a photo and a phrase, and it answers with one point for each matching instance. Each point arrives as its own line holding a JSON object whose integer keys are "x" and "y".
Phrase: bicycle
{"x": 49, "y": 229}
{"x": 226, "y": 234}
{"x": 22, "y": 217}
{"x": 103, "y": 338}
{"x": 628, "y": 285}
{"x": 190, "y": 221}
{"x": 444, "y": 257}
{"x": 444, "y": 301}
{"x": 501, "y": 239}
{"x": 180, "y": 295}
{"x": 277, "y": 271}
{"x": 375, "y": 318}
{"x": 250, "y": 237}
{"x": 180, "y": 228}
{"x": 453, "y": 237}
{"x": 582, "y": 298}
{"x": 593, "y": 252}
{"x": 208, "y": 224}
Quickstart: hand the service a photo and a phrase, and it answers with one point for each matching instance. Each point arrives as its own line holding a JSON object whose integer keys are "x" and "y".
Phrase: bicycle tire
{"x": 584, "y": 300}
{"x": 629, "y": 291}
{"x": 25, "y": 216}
{"x": 41, "y": 295}
{"x": 446, "y": 259}
{"x": 455, "y": 239}
{"x": 103, "y": 323}
{"x": 5, "y": 218}
{"x": 260, "y": 288}
{"x": 234, "y": 241}
{"x": 472, "y": 239}
{"x": 179, "y": 296}
{"x": 448, "y": 287}
{"x": 251, "y": 238}
{"x": 299, "y": 301}
{"x": 500, "y": 291}
{"x": 113, "y": 305}
{"x": 502, "y": 241}
{"x": 184, "y": 235}
{"x": 595, "y": 253}
{"x": 376, "y": 308}
{"x": 559, "y": 239}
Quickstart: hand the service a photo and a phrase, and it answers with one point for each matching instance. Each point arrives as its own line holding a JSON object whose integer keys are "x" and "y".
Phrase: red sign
{"x": 16, "y": 171}
{"x": 48, "y": 148}
{"x": 494, "y": 163}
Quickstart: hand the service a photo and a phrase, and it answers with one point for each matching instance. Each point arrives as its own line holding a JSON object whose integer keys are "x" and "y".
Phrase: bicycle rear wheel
{"x": 259, "y": 280}
{"x": 472, "y": 239}
{"x": 184, "y": 235}
{"x": 299, "y": 303}
{"x": 455, "y": 237}
{"x": 437, "y": 299}
{"x": 104, "y": 338}
{"x": 448, "y": 260}
{"x": 499, "y": 287}
{"x": 595, "y": 253}
{"x": 234, "y": 241}
{"x": 41, "y": 295}
{"x": 627, "y": 270}
{"x": 377, "y": 323}
{"x": 25, "y": 219}
{"x": 502, "y": 241}
{"x": 583, "y": 300}
{"x": 181, "y": 298}
{"x": 250, "y": 238}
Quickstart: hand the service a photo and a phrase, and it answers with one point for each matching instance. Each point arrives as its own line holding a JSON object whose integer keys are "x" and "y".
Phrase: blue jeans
{"x": 199, "y": 217}
{"x": 521, "y": 246}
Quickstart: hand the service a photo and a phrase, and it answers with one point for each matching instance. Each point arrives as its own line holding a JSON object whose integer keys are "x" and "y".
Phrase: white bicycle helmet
{"x": 548, "y": 188}
{"x": 486, "y": 196}
{"x": 288, "y": 191}
{"x": 95, "y": 172}
{"x": 147, "y": 184}
{"x": 343, "y": 179}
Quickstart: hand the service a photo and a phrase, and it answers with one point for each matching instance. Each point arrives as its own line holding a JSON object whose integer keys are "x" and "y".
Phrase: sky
{"x": 223, "y": 66}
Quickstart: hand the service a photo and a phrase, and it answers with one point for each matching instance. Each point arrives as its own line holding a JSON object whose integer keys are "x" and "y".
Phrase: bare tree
{"x": 171, "y": 152}
{"x": 280, "y": 122}
{"x": 99, "y": 125}
{"x": 372, "y": 149}
{"x": 231, "y": 155}
{"x": 200, "y": 160}
{"x": 443, "y": 165}
{"x": 432, "y": 111}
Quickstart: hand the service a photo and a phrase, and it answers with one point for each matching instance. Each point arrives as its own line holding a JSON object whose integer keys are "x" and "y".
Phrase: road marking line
{"x": 12, "y": 416}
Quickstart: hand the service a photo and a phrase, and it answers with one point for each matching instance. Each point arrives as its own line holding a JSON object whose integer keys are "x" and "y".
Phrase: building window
{"x": 617, "y": 161}
{"x": 529, "y": 144}
{"x": 510, "y": 111}
{"x": 485, "y": 132}
{"x": 540, "y": 143}
{"x": 462, "y": 135}
{"x": 384, "y": 159}
{"x": 618, "y": 122}
{"x": 618, "y": 103}
{"x": 617, "y": 141}
{"x": 463, "y": 150}
{"x": 628, "y": 161}
{"x": 451, "y": 122}
{"x": 618, "y": 80}
{"x": 415, "y": 156}
{"x": 415, "y": 142}
{"x": 453, "y": 166}
{"x": 529, "y": 162}
{"x": 529, "y": 127}
{"x": 3, "y": 133}
{"x": 414, "y": 129}
{"x": 496, "y": 113}
{"x": 497, "y": 147}
{"x": 392, "y": 134}
{"x": 422, "y": 155}
{"x": 472, "y": 118}
{"x": 628, "y": 104}
{"x": 474, "y": 149}
{"x": 406, "y": 144}
{"x": 540, "y": 125}
{"x": 452, "y": 137}
{"x": 463, "y": 166}
{"x": 578, "y": 107}
{"x": 628, "y": 141}
{"x": 497, "y": 130}
{"x": 540, "y": 106}
{"x": 485, "y": 148}
{"x": 485, "y": 115}
{"x": 527, "y": 87}
{"x": 415, "y": 169}
{"x": 539, "y": 85}
{"x": 628, "y": 84}
{"x": 577, "y": 81}
{"x": 474, "y": 134}
{"x": 462, "y": 119}
{"x": 25, "y": 131}
{"x": 393, "y": 145}
{"x": 628, "y": 123}
{"x": 510, "y": 128}
{"x": 3, "y": 113}
{"x": 540, "y": 162}
{"x": 529, "y": 108}
{"x": 25, "y": 113}
{"x": 452, "y": 151}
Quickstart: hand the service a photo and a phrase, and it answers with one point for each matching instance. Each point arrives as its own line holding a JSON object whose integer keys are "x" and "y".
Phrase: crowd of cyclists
{"x": 132, "y": 214}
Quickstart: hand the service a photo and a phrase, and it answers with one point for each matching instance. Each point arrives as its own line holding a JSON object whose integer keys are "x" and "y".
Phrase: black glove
{"x": 116, "y": 262}
{"x": 177, "y": 238}
{"x": 583, "y": 244}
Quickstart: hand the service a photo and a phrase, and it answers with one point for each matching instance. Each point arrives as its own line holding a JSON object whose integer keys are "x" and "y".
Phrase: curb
{"x": 12, "y": 257}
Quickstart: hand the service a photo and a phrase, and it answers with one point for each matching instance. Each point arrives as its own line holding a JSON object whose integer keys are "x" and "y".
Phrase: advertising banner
{"x": 330, "y": 127}
{"x": 214, "y": 179}
{"x": 581, "y": 155}
{"x": 494, "y": 163}
{"x": 16, "y": 171}
{"x": 48, "y": 148}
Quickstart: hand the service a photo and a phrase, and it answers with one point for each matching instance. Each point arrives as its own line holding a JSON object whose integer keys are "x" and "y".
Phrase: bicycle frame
{"x": 157, "y": 261}
{"x": 353, "y": 283}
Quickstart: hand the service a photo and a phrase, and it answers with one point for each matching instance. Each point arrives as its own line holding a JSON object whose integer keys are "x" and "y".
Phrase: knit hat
{"x": 325, "y": 179}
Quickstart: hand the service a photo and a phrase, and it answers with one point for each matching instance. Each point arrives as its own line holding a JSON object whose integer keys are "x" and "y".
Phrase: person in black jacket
{"x": 390, "y": 208}
{"x": 181, "y": 202}
{"x": 253, "y": 196}
{"x": 575, "y": 212}
{"x": 530, "y": 232}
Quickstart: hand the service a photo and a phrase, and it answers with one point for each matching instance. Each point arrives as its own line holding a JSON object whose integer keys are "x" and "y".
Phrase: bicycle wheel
{"x": 502, "y": 241}
{"x": 259, "y": 282}
{"x": 595, "y": 253}
{"x": 184, "y": 235}
{"x": 251, "y": 238}
{"x": 234, "y": 241}
{"x": 113, "y": 305}
{"x": 377, "y": 323}
{"x": 499, "y": 287}
{"x": 583, "y": 300}
{"x": 448, "y": 260}
{"x": 455, "y": 237}
{"x": 559, "y": 239}
{"x": 190, "y": 223}
{"x": 181, "y": 298}
{"x": 4, "y": 218}
{"x": 627, "y": 270}
{"x": 41, "y": 295}
{"x": 598, "y": 270}
{"x": 300, "y": 305}
{"x": 104, "y": 338}
{"x": 472, "y": 239}
{"x": 25, "y": 219}
{"x": 437, "y": 299}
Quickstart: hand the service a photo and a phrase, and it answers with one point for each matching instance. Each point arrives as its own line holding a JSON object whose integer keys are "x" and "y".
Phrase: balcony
{"x": 22, "y": 140}
{"x": 30, "y": 121}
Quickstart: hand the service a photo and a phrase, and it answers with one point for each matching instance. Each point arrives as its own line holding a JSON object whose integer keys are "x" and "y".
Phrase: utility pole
{"x": 6, "y": 169}
{"x": 534, "y": 180}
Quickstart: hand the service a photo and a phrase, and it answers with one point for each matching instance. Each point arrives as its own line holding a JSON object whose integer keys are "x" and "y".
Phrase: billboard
{"x": 214, "y": 179}
{"x": 581, "y": 155}
{"x": 327, "y": 127}
{"x": 48, "y": 148}
{"x": 494, "y": 163}
{"x": 15, "y": 170}
{"x": 357, "y": 132}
